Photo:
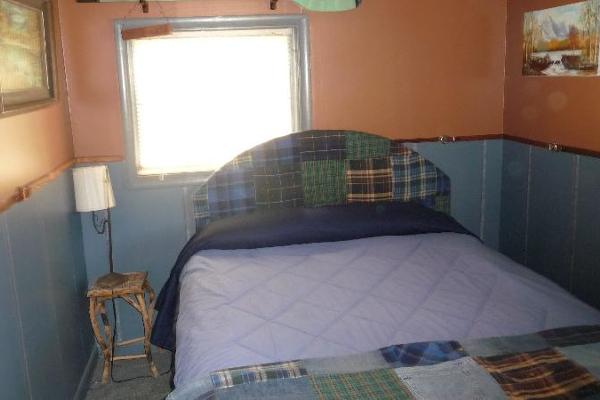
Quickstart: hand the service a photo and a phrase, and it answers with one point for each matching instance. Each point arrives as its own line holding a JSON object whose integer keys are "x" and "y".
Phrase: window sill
{"x": 136, "y": 181}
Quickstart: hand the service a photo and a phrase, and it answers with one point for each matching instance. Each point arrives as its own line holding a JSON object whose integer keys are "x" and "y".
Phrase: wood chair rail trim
{"x": 24, "y": 192}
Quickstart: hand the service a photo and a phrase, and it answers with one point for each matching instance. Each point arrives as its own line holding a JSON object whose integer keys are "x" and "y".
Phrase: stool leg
{"x": 106, "y": 350}
{"x": 147, "y": 330}
{"x": 109, "y": 345}
{"x": 151, "y": 299}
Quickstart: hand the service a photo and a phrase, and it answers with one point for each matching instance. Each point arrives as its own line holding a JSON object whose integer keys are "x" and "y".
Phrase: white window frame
{"x": 299, "y": 26}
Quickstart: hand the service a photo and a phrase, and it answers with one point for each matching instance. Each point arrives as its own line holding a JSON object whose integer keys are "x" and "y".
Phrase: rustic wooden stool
{"x": 133, "y": 291}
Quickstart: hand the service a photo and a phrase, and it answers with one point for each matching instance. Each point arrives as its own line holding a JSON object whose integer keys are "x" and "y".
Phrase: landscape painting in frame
{"x": 25, "y": 54}
{"x": 562, "y": 41}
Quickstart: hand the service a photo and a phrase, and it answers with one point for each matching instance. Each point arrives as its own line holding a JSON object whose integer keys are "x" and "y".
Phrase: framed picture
{"x": 562, "y": 41}
{"x": 27, "y": 72}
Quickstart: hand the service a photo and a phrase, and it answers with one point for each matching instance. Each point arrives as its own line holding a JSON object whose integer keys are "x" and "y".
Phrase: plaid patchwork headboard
{"x": 320, "y": 168}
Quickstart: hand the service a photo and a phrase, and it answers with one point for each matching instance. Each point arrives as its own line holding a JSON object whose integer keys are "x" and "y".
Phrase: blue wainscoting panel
{"x": 42, "y": 237}
{"x": 13, "y": 375}
{"x": 475, "y": 171}
{"x": 34, "y": 291}
{"x": 515, "y": 190}
{"x": 492, "y": 192}
{"x": 68, "y": 283}
{"x": 550, "y": 218}
{"x": 551, "y": 215}
{"x": 463, "y": 163}
{"x": 586, "y": 271}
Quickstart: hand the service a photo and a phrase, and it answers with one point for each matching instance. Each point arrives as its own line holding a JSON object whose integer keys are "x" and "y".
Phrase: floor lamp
{"x": 93, "y": 193}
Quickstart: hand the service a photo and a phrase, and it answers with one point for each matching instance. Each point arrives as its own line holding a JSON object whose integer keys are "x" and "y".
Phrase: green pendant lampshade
{"x": 328, "y": 5}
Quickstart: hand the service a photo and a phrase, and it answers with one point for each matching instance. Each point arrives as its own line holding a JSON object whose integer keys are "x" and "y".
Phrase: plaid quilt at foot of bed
{"x": 557, "y": 364}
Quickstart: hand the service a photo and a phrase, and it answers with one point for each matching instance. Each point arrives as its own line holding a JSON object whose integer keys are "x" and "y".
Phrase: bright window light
{"x": 201, "y": 98}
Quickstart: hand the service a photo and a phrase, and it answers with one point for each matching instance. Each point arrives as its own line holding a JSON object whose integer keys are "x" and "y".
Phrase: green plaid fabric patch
{"x": 378, "y": 384}
{"x": 368, "y": 180}
{"x": 279, "y": 186}
{"x": 324, "y": 182}
{"x": 360, "y": 146}
{"x": 258, "y": 373}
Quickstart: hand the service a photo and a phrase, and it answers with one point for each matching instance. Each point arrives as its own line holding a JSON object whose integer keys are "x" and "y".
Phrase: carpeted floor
{"x": 146, "y": 388}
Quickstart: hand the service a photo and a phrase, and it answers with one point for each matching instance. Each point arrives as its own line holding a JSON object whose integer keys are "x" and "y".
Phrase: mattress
{"x": 251, "y": 306}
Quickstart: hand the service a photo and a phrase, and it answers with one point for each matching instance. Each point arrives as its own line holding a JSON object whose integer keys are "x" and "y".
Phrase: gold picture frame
{"x": 27, "y": 65}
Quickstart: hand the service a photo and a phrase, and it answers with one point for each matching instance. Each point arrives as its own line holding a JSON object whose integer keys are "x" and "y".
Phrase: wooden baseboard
{"x": 84, "y": 381}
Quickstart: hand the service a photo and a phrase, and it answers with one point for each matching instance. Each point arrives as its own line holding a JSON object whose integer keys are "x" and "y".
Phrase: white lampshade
{"x": 93, "y": 191}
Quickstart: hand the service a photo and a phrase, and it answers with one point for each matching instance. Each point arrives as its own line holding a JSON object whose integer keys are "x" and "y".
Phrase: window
{"x": 214, "y": 88}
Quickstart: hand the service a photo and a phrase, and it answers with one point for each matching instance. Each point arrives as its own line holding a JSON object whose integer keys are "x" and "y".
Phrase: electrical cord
{"x": 112, "y": 352}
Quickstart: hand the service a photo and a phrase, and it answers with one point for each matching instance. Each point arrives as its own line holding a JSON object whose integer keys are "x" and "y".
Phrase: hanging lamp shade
{"x": 93, "y": 191}
{"x": 328, "y": 5}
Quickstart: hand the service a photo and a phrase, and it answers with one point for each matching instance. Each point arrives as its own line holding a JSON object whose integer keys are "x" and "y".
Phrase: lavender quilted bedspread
{"x": 254, "y": 306}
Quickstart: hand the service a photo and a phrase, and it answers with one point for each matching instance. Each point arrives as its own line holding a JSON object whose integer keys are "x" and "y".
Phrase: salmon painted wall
{"x": 549, "y": 109}
{"x": 35, "y": 142}
{"x": 400, "y": 68}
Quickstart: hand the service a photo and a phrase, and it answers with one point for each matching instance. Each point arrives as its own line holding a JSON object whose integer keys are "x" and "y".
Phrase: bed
{"x": 332, "y": 249}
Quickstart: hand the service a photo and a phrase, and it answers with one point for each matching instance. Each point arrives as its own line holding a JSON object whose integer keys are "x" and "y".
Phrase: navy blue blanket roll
{"x": 287, "y": 226}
